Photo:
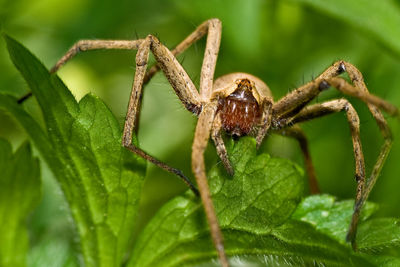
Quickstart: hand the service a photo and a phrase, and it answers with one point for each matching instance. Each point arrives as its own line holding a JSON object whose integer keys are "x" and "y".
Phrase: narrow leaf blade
{"x": 20, "y": 192}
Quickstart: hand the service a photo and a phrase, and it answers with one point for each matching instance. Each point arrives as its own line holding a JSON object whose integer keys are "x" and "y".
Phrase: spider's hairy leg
{"x": 187, "y": 93}
{"x": 329, "y": 107}
{"x": 179, "y": 80}
{"x": 202, "y": 134}
{"x": 358, "y": 81}
{"x": 293, "y": 102}
{"x": 219, "y": 144}
{"x": 375, "y": 102}
{"x": 171, "y": 67}
{"x": 297, "y": 133}
{"x": 212, "y": 28}
{"x": 210, "y": 59}
{"x": 296, "y": 100}
{"x": 176, "y": 75}
{"x": 88, "y": 45}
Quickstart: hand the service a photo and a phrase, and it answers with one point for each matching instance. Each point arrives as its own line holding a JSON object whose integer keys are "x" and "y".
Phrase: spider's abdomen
{"x": 239, "y": 111}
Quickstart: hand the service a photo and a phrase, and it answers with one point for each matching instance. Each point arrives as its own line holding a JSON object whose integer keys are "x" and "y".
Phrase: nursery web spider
{"x": 241, "y": 104}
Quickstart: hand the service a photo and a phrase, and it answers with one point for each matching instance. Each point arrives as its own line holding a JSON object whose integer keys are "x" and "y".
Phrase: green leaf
{"x": 374, "y": 236}
{"x": 257, "y": 180}
{"x": 329, "y": 216}
{"x": 101, "y": 180}
{"x": 378, "y": 234}
{"x": 380, "y": 19}
{"x": 385, "y": 261}
{"x": 42, "y": 254}
{"x": 254, "y": 209}
{"x": 20, "y": 192}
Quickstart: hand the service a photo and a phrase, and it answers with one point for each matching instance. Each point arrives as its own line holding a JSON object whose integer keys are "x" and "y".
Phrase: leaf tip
{"x": 9, "y": 40}
{"x": 5, "y": 35}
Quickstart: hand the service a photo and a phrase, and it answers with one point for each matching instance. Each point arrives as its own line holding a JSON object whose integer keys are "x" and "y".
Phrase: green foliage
{"x": 178, "y": 234}
{"x": 378, "y": 234}
{"x": 330, "y": 216}
{"x": 378, "y": 239}
{"x": 263, "y": 192}
{"x": 254, "y": 209}
{"x": 19, "y": 195}
{"x": 378, "y": 18}
{"x": 82, "y": 145}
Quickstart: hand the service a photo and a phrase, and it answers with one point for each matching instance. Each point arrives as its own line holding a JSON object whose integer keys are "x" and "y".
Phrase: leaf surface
{"x": 378, "y": 234}
{"x": 330, "y": 216}
{"x": 254, "y": 209}
{"x": 81, "y": 143}
{"x": 20, "y": 192}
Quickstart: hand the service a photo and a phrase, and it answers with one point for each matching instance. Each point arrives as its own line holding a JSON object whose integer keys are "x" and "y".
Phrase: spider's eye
{"x": 244, "y": 84}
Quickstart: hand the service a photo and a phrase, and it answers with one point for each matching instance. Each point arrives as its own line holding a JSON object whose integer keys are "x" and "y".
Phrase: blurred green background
{"x": 285, "y": 43}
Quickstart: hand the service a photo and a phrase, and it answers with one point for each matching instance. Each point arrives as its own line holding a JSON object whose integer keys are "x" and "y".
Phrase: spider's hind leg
{"x": 190, "y": 97}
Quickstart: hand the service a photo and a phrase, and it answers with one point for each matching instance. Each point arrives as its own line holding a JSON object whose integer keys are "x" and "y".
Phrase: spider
{"x": 241, "y": 104}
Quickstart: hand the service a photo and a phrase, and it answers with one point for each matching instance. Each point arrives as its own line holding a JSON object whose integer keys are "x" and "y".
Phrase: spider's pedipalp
{"x": 216, "y": 135}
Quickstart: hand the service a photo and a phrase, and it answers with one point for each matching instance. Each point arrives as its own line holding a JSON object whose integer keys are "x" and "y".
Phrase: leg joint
{"x": 153, "y": 39}
{"x": 215, "y": 22}
{"x": 323, "y": 85}
{"x": 126, "y": 142}
{"x": 81, "y": 46}
{"x": 341, "y": 68}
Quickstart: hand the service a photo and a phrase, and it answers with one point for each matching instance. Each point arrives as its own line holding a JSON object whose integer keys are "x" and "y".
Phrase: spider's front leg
{"x": 188, "y": 95}
{"x": 201, "y": 137}
{"x": 199, "y": 104}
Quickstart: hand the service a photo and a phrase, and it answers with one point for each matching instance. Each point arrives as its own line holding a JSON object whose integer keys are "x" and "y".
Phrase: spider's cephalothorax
{"x": 239, "y": 111}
